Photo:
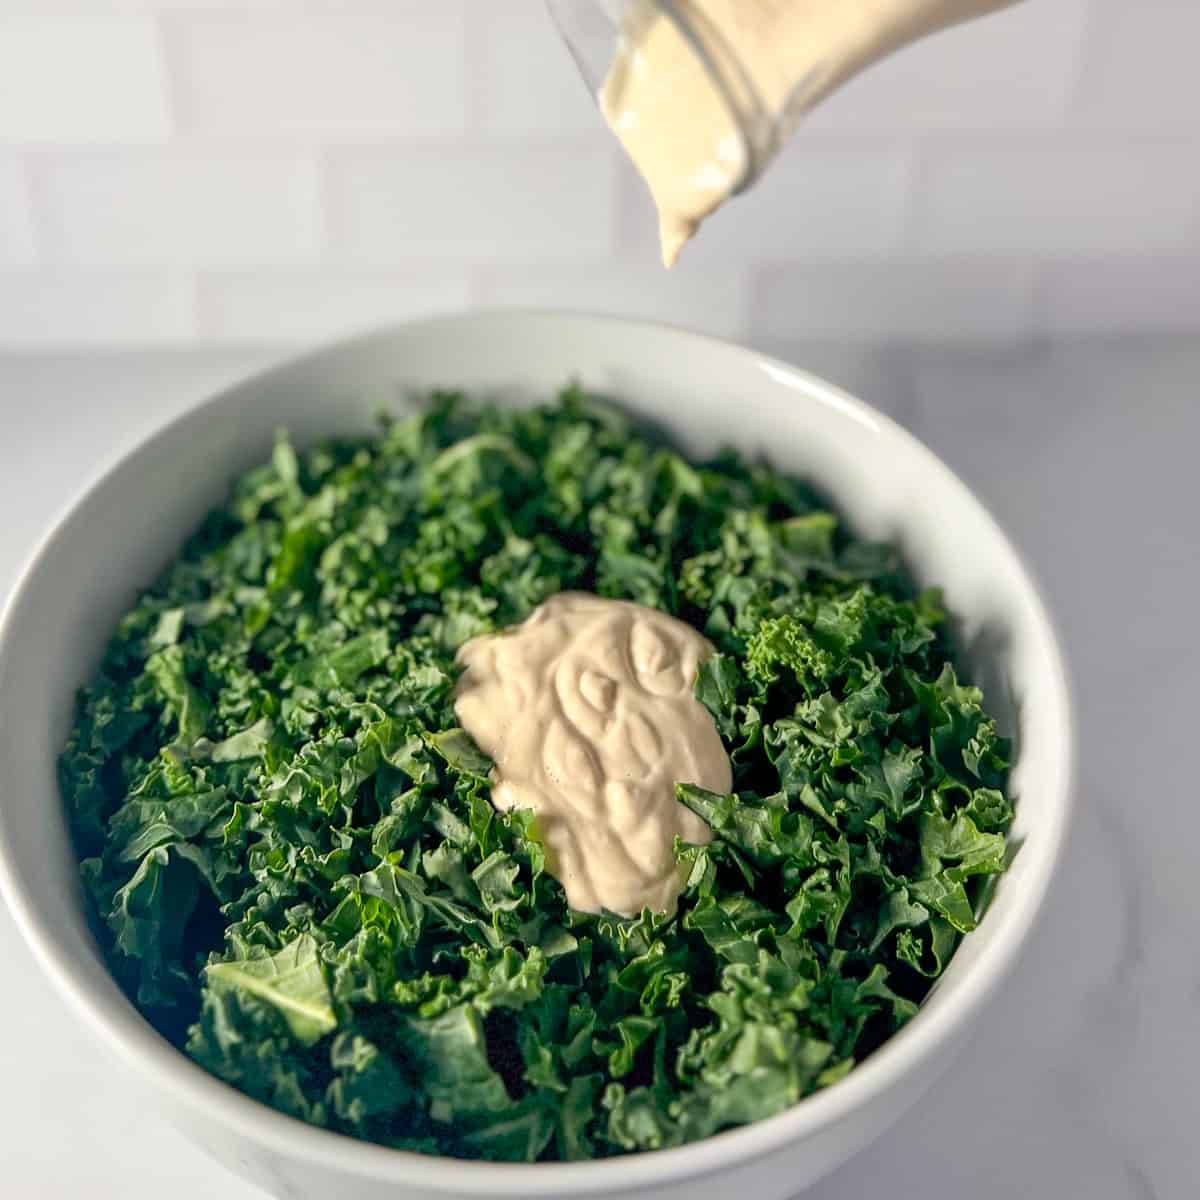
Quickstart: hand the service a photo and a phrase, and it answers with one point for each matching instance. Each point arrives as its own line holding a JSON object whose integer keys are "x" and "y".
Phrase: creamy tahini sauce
{"x": 586, "y": 709}
{"x": 780, "y": 56}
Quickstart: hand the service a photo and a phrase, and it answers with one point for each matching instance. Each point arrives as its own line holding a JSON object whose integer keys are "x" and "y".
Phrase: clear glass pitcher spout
{"x": 593, "y": 31}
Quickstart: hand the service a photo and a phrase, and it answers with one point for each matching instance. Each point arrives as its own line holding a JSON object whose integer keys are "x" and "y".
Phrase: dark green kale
{"x": 297, "y": 873}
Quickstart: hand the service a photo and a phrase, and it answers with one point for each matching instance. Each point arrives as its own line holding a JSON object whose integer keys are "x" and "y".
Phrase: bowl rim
{"x": 130, "y": 1036}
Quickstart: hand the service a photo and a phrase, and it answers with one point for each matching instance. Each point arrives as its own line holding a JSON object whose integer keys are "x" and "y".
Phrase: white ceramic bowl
{"x": 129, "y": 525}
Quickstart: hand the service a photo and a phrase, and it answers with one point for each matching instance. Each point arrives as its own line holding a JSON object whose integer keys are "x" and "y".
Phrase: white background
{"x": 268, "y": 170}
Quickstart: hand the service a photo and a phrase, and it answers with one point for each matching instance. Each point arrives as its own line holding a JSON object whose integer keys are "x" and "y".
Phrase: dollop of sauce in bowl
{"x": 587, "y": 711}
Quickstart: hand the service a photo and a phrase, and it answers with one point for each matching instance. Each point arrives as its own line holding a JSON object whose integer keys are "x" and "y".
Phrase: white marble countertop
{"x": 1086, "y": 1079}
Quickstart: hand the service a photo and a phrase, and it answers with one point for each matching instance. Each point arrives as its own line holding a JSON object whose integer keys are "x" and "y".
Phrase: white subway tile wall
{"x": 525, "y": 201}
{"x": 178, "y": 207}
{"x": 1139, "y": 70}
{"x": 1048, "y": 198}
{"x": 16, "y": 214}
{"x": 312, "y": 304}
{"x": 1132, "y": 295}
{"x": 81, "y": 77}
{"x": 520, "y": 80}
{"x": 949, "y": 299}
{"x": 183, "y": 171}
{"x": 354, "y": 72}
{"x": 52, "y": 308}
{"x": 1015, "y": 71}
{"x": 633, "y": 289}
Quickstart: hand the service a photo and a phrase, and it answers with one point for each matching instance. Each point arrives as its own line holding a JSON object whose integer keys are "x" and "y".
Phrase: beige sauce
{"x": 586, "y": 709}
{"x": 779, "y": 57}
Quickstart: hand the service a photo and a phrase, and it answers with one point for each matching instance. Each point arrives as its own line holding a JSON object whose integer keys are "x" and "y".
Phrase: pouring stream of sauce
{"x": 775, "y": 59}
